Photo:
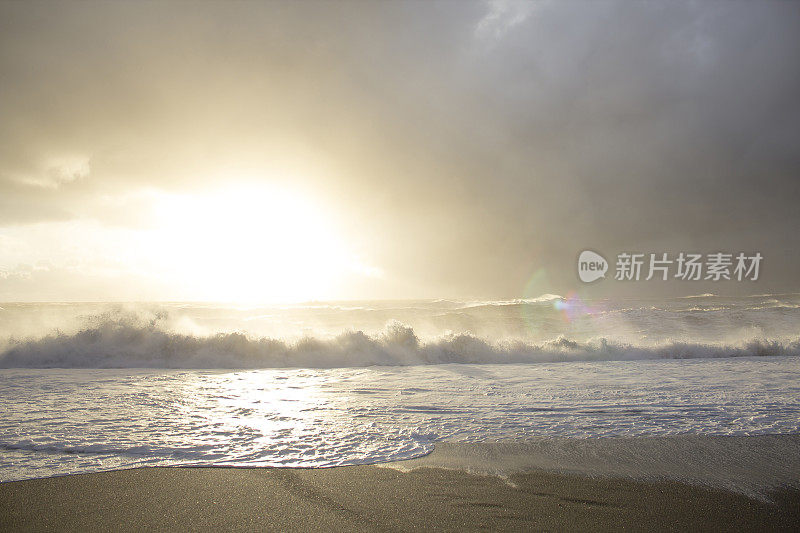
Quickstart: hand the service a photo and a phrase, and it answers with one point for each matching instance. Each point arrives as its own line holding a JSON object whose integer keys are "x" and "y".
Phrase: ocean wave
{"x": 543, "y": 299}
{"x": 119, "y": 343}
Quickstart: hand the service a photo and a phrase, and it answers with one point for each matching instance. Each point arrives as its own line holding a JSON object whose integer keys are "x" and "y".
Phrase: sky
{"x": 379, "y": 150}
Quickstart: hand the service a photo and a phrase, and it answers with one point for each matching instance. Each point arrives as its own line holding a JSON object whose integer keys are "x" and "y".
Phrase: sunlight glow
{"x": 251, "y": 243}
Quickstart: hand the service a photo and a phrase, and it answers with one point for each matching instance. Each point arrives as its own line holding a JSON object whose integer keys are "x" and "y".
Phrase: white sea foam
{"x": 544, "y": 329}
{"x": 331, "y": 384}
{"x": 56, "y": 421}
{"x": 114, "y": 344}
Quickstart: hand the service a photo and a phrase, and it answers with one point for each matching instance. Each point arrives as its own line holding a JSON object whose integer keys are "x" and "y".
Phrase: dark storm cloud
{"x": 467, "y": 145}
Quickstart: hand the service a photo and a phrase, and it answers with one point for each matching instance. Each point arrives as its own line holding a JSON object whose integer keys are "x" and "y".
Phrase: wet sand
{"x": 369, "y": 498}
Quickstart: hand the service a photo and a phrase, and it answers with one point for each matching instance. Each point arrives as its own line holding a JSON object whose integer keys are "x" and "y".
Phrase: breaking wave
{"x": 122, "y": 344}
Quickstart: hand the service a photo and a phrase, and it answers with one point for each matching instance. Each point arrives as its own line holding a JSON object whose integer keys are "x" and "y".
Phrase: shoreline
{"x": 376, "y": 498}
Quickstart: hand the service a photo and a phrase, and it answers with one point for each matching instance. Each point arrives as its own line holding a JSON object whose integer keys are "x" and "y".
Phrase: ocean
{"x": 91, "y": 387}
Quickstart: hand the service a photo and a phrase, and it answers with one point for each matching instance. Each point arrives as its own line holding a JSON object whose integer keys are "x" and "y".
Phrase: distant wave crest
{"x": 126, "y": 344}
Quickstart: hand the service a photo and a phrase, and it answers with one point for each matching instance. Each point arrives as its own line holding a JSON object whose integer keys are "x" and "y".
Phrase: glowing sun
{"x": 251, "y": 243}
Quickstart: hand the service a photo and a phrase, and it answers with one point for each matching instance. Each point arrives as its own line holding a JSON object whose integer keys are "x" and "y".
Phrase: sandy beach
{"x": 369, "y": 498}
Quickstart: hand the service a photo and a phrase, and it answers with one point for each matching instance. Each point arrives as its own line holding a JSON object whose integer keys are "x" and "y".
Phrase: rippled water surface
{"x": 56, "y": 421}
